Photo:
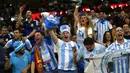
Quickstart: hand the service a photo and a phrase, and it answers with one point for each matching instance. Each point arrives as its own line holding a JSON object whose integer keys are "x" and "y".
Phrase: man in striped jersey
{"x": 120, "y": 43}
{"x": 101, "y": 27}
{"x": 93, "y": 49}
{"x": 67, "y": 50}
{"x": 120, "y": 63}
{"x": 45, "y": 47}
{"x": 93, "y": 17}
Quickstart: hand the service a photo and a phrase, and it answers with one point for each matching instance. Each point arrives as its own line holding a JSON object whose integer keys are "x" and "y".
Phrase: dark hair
{"x": 88, "y": 41}
{"x": 104, "y": 38}
{"x": 17, "y": 29}
{"x": 101, "y": 11}
{"x": 39, "y": 31}
{"x": 5, "y": 27}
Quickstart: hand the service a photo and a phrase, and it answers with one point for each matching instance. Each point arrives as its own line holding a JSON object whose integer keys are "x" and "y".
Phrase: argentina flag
{"x": 116, "y": 62}
{"x": 121, "y": 64}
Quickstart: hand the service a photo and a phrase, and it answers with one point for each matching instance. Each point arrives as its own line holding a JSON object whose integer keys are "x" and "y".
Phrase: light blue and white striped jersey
{"x": 97, "y": 50}
{"x": 65, "y": 55}
{"x": 95, "y": 20}
{"x": 47, "y": 53}
{"x": 116, "y": 46}
{"x": 101, "y": 27}
{"x": 121, "y": 64}
{"x": 10, "y": 43}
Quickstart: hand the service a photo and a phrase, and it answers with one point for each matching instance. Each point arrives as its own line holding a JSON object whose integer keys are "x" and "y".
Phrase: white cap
{"x": 64, "y": 28}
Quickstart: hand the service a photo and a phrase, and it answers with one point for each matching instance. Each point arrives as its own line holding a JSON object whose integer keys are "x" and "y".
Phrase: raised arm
{"x": 53, "y": 36}
{"x": 76, "y": 16}
{"x": 20, "y": 14}
{"x": 32, "y": 33}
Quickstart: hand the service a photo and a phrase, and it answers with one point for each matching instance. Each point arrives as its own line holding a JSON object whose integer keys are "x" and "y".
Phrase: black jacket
{"x": 2, "y": 59}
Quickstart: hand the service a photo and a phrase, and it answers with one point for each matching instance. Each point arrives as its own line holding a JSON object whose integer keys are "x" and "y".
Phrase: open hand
{"x": 22, "y": 8}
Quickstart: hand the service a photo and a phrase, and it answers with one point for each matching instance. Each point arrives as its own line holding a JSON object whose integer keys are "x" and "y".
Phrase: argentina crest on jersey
{"x": 80, "y": 34}
{"x": 25, "y": 58}
{"x": 115, "y": 62}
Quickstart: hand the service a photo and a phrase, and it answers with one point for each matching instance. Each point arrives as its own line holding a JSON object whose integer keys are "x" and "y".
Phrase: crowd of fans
{"x": 32, "y": 47}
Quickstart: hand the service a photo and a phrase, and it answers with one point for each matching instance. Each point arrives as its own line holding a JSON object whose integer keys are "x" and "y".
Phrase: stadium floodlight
{"x": 12, "y": 19}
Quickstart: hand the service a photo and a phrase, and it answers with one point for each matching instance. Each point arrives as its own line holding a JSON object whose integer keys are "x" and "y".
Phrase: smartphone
{"x": 74, "y": 49}
{"x": 24, "y": 6}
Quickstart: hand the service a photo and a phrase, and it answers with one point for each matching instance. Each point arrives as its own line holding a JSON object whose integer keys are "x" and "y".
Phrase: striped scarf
{"x": 38, "y": 60}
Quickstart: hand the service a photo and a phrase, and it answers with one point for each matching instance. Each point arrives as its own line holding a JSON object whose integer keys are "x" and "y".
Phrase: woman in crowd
{"x": 107, "y": 39}
{"x": 83, "y": 26}
{"x": 127, "y": 21}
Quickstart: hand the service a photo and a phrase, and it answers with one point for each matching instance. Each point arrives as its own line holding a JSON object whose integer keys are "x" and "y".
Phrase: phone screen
{"x": 24, "y": 6}
{"x": 74, "y": 49}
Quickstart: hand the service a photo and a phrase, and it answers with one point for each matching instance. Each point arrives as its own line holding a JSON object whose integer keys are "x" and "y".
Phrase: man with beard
{"x": 68, "y": 50}
{"x": 19, "y": 60}
{"x": 17, "y": 37}
{"x": 120, "y": 43}
{"x": 5, "y": 36}
{"x": 93, "y": 49}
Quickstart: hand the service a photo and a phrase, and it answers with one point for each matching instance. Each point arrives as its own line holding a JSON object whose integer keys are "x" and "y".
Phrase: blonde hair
{"x": 88, "y": 24}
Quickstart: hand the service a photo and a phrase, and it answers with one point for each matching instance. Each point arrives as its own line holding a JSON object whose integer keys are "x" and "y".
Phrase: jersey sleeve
{"x": 9, "y": 44}
{"x": 28, "y": 44}
{"x": 109, "y": 25}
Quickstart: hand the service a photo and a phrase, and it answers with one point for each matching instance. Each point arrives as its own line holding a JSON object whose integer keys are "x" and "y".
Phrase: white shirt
{"x": 81, "y": 33}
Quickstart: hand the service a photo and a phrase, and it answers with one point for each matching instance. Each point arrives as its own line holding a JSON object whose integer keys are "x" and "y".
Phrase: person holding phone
{"x": 19, "y": 60}
{"x": 67, "y": 50}
{"x": 29, "y": 25}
